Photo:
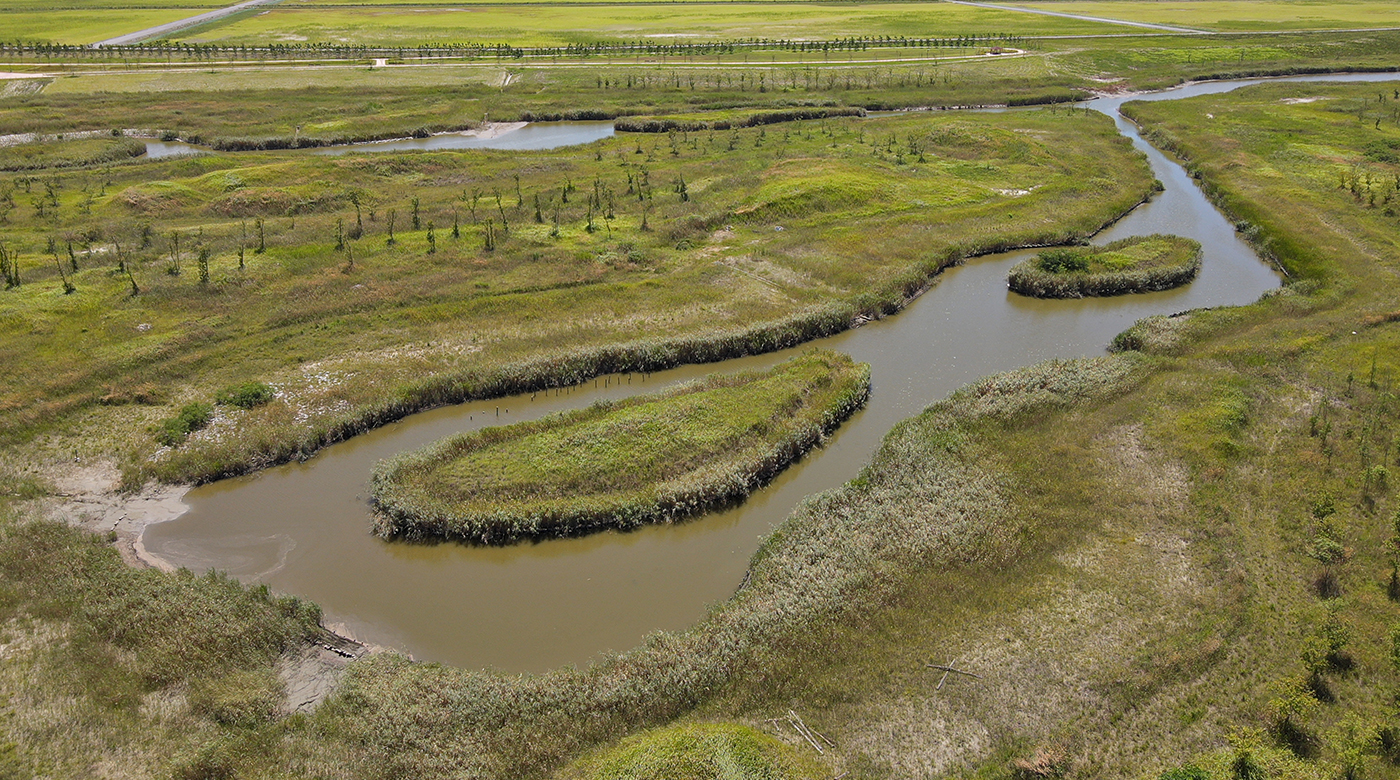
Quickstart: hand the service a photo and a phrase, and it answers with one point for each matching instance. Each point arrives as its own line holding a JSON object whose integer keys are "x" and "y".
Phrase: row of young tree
{"x": 199, "y": 52}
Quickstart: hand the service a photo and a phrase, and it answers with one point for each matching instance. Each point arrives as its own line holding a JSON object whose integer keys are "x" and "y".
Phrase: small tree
{"x": 339, "y": 235}
{"x": 204, "y": 265}
{"x": 432, "y": 240}
{"x": 174, "y": 268}
{"x": 359, "y": 229}
{"x": 68, "y": 288}
{"x": 1288, "y": 712}
{"x": 416, "y": 224}
{"x": 242, "y": 242}
{"x": 262, "y": 238}
{"x": 393, "y": 215}
{"x": 505, "y": 226}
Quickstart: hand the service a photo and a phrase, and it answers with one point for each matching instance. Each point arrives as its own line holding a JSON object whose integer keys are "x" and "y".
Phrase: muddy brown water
{"x": 304, "y": 528}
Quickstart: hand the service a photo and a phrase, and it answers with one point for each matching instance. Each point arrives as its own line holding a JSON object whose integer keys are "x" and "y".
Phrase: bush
{"x": 1188, "y": 772}
{"x": 192, "y": 417}
{"x": 246, "y": 395}
{"x": 1061, "y": 261}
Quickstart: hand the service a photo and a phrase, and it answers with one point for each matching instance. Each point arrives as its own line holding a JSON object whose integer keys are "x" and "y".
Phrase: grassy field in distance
{"x": 1237, "y": 15}
{"x": 542, "y": 25}
{"x": 328, "y": 104}
{"x": 82, "y": 26}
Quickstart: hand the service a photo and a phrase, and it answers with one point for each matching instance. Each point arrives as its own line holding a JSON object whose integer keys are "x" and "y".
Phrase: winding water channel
{"x": 304, "y": 528}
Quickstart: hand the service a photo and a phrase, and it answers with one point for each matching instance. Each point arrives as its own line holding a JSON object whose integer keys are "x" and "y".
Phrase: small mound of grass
{"x": 246, "y": 395}
{"x": 1133, "y": 265}
{"x": 173, "y": 431}
{"x": 695, "y": 751}
{"x": 651, "y": 458}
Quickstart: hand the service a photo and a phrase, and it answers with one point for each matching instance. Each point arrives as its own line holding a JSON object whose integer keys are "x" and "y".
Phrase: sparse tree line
{"x": 170, "y": 50}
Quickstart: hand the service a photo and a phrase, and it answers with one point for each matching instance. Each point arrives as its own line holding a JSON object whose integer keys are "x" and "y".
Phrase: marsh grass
{"x": 728, "y": 120}
{"x": 60, "y": 153}
{"x": 103, "y": 657}
{"x": 650, "y": 458}
{"x": 691, "y": 751}
{"x": 1132, "y": 265}
{"x": 347, "y": 347}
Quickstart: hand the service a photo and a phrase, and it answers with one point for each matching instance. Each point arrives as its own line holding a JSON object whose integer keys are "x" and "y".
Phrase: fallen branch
{"x": 802, "y": 729}
{"x": 954, "y": 671}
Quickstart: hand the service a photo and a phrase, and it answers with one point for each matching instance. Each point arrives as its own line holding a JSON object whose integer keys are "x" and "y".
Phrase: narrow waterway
{"x": 304, "y": 528}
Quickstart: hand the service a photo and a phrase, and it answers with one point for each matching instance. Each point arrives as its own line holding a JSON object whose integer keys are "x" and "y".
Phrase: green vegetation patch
{"x": 1133, "y": 265}
{"x": 60, "y": 153}
{"x": 726, "y": 120}
{"x": 651, "y": 458}
{"x": 695, "y": 751}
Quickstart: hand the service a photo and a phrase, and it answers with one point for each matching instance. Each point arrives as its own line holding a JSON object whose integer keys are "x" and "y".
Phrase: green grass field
{"x": 1238, "y": 15}
{"x": 85, "y": 25}
{"x": 709, "y": 264}
{"x": 650, "y": 458}
{"x": 529, "y": 25}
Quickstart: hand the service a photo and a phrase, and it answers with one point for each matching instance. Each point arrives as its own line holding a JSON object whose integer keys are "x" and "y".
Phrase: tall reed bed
{"x": 619, "y": 464}
{"x": 667, "y": 124}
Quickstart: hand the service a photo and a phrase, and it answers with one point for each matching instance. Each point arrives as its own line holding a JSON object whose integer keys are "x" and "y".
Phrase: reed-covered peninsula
{"x": 1132, "y": 265}
{"x": 619, "y": 464}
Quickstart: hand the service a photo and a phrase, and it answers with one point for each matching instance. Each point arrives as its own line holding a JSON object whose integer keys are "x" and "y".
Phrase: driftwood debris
{"x": 803, "y": 730}
{"x": 948, "y": 669}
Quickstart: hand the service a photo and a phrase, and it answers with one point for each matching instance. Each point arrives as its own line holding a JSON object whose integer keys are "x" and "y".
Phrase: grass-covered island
{"x": 619, "y": 464}
{"x": 1133, "y": 265}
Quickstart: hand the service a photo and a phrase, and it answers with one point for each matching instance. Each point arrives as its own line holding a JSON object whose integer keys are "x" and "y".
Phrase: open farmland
{"x": 548, "y": 25}
{"x": 1237, "y": 15}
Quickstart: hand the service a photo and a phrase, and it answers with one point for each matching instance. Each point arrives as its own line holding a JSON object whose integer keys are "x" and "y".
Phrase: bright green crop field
{"x": 1238, "y": 15}
{"x": 81, "y": 26}
{"x": 545, "y": 25}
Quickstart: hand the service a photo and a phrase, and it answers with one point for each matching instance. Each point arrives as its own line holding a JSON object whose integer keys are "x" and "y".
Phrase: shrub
{"x": 246, "y": 395}
{"x": 193, "y": 416}
{"x": 1060, "y": 261}
{"x": 1188, "y": 772}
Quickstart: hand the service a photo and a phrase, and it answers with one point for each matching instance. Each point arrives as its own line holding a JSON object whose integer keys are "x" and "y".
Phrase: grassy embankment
{"x": 651, "y": 458}
{"x": 684, "y": 246}
{"x": 728, "y": 120}
{"x": 1131, "y": 265}
{"x": 1184, "y": 552}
